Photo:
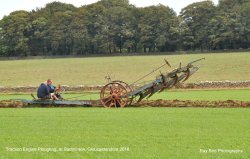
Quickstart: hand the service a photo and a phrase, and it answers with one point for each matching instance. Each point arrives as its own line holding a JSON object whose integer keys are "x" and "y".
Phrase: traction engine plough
{"x": 120, "y": 94}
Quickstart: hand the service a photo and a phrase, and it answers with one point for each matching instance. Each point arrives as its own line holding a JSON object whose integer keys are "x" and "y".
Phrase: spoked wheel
{"x": 128, "y": 88}
{"x": 114, "y": 95}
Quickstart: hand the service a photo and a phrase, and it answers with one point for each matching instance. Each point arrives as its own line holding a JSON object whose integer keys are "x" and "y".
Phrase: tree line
{"x": 115, "y": 26}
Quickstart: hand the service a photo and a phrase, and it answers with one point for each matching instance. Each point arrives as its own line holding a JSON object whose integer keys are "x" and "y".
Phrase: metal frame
{"x": 165, "y": 81}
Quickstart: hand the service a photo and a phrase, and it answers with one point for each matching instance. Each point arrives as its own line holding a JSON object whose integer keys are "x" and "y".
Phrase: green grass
{"x": 147, "y": 132}
{"x": 87, "y": 71}
{"x": 232, "y": 94}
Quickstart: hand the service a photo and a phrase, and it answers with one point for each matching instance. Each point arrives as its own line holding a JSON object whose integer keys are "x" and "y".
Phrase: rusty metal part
{"x": 187, "y": 75}
{"x": 166, "y": 61}
{"x": 114, "y": 94}
{"x": 128, "y": 88}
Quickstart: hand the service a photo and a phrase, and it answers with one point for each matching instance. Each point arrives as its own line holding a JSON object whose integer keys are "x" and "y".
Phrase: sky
{"x": 8, "y": 6}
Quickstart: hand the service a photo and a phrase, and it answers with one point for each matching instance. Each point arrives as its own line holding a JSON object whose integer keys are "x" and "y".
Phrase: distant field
{"x": 140, "y": 132}
{"x": 88, "y": 71}
{"x": 232, "y": 94}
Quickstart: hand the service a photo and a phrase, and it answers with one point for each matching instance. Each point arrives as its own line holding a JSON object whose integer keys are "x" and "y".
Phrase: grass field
{"x": 144, "y": 132}
{"x": 196, "y": 133}
{"x": 87, "y": 71}
{"x": 232, "y": 94}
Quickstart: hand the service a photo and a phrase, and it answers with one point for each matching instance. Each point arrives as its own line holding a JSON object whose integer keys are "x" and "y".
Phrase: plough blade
{"x": 187, "y": 75}
{"x": 145, "y": 94}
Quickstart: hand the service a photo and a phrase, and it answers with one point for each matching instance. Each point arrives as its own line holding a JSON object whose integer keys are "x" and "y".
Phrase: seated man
{"x": 46, "y": 91}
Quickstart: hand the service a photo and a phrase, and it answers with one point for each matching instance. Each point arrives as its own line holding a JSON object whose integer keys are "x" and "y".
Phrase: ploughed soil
{"x": 146, "y": 103}
{"x": 189, "y": 103}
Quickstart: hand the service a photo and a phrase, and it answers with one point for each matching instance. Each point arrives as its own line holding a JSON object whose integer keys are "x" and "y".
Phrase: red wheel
{"x": 128, "y": 88}
{"x": 114, "y": 94}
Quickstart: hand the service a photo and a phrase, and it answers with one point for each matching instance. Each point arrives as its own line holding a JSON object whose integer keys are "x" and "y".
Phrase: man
{"x": 46, "y": 90}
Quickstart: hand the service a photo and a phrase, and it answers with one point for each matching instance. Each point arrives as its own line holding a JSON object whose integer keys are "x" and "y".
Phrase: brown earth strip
{"x": 189, "y": 103}
{"x": 11, "y": 104}
{"x": 217, "y": 84}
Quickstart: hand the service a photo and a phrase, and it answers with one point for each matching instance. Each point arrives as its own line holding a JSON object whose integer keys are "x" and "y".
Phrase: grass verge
{"x": 144, "y": 132}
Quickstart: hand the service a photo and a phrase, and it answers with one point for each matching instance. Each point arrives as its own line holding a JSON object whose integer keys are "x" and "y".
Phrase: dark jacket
{"x": 43, "y": 91}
